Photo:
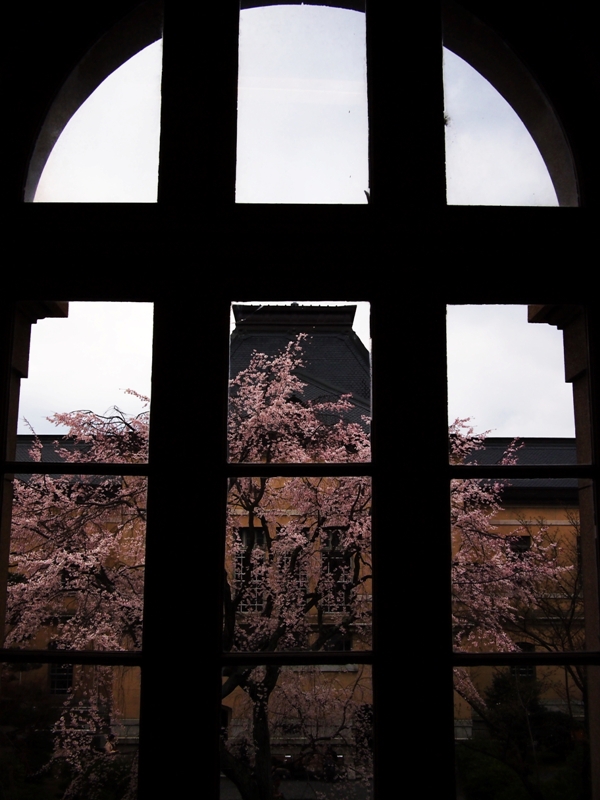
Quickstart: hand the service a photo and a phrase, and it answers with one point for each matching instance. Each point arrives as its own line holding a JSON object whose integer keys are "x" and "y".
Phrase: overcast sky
{"x": 505, "y": 373}
{"x": 87, "y": 361}
{"x": 302, "y": 106}
{"x": 303, "y": 125}
{"x": 490, "y": 157}
{"x": 108, "y": 152}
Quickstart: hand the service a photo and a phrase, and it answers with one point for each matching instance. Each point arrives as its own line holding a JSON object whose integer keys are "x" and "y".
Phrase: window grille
{"x": 524, "y": 671}
{"x": 61, "y": 678}
{"x": 336, "y": 572}
{"x": 248, "y": 579}
{"x": 432, "y": 254}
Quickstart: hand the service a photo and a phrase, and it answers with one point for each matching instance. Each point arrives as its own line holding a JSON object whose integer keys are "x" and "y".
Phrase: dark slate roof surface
{"x": 50, "y": 442}
{"x": 536, "y": 451}
{"x": 49, "y": 454}
{"x": 336, "y": 361}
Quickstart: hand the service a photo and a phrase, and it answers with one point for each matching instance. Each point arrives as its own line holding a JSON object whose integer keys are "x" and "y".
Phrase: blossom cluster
{"x": 494, "y": 586}
{"x": 298, "y": 553}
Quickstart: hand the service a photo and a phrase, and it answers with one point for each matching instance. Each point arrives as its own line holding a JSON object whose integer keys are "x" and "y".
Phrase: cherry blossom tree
{"x": 297, "y": 577}
{"x": 495, "y": 586}
{"x": 504, "y": 596}
{"x": 297, "y": 572}
{"x": 76, "y": 582}
{"x": 280, "y": 590}
{"x": 77, "y": 542}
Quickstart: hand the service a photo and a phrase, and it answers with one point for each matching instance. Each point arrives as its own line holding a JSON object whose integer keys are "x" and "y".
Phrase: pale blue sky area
{"x": 87, "y": 361}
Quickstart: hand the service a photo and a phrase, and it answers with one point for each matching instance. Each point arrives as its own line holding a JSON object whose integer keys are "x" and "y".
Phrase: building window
{"x": 302, "y": 106}
{"x": 524, "y": 671}
{"x": 337, "y": 567}
{"x": 61, "y": 678}
{"x": 78, "y": 174}
{"x": 249, "y": 578}
{"x": 108, "y": 152}
{"x": 479, "y": 45}
{"x": 491, "y": 159}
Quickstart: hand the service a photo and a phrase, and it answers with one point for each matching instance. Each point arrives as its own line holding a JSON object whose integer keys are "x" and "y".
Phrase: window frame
{"x": 409, "y": 227}
{"x": 463, "y": 33}
{"x": 158, "y": 475}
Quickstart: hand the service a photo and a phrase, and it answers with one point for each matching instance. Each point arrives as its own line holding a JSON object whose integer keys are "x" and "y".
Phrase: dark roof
{"x": 337, "y": 362}
{"x": 48, "y": 441}
{"x": 536, "y": 451}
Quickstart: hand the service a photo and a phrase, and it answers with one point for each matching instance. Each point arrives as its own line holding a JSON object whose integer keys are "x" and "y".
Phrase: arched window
{"x": 196, "y": 250}
{"x": 302, "y": 117}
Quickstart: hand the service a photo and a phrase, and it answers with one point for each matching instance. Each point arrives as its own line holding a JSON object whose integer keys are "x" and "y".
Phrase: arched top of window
{"x": 463, "y": 34}
{"x": 133, "y": 33}
{"x": 486, "y": 52}
{"x": 351, "y": 5}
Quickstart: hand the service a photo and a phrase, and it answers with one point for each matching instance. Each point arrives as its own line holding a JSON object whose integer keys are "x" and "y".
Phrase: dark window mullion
{"x": 199, "y": 109}
{"x": 186, "y": 524}
{"x": 405, "y": 94}
{"x": 309, "y": 470}
{"x": 411, "y": 546}
{"x": 299, "y": 658}
{"x": 99, "y": 657}
{"x": 72, "y": 468}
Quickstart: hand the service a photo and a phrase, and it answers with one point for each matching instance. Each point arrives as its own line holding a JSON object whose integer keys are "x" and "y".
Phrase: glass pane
{"x": 75, "y": 735}
{"x": 98, "y": 360}
{"x": 521, "y": 733}
{"x": 302, "y": 106}
{"x": 302, "y": 731}
{"x": 517, "y": 566}
{"x": 491, "y": 158}
{"x": 506, "y": 376}
{"x": 77, "y": 562}
{"x": 298, "y": 563}
{"x": 108, "y": 151}
{"x": 300, "y": 384}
